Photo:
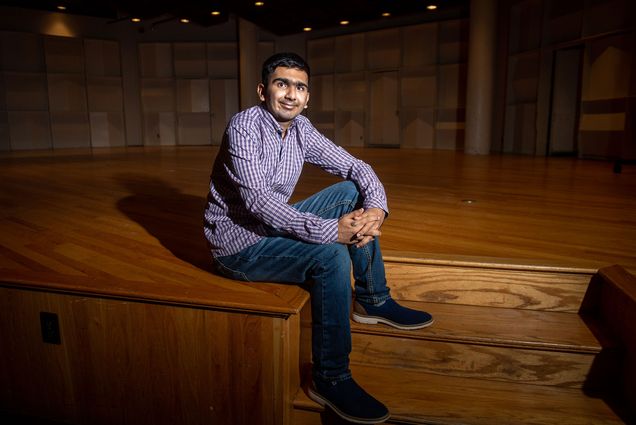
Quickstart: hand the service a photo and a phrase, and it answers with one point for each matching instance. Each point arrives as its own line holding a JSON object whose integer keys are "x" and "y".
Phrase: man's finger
{"x": 364, "y": 241}
{"x": 369, "y": 227}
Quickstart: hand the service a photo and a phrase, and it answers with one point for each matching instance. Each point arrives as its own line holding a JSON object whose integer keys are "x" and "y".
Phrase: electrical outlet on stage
{"x": 50, "y": 325}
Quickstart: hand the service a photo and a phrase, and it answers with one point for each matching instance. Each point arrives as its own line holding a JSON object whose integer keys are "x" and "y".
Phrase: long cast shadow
{"x": 174, "y": 218}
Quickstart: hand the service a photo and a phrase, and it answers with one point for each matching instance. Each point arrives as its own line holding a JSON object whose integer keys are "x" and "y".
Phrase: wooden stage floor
{"x": 137, "y": 212}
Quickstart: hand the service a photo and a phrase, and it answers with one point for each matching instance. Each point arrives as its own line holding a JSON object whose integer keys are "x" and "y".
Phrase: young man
{"x": 255, "y": 235}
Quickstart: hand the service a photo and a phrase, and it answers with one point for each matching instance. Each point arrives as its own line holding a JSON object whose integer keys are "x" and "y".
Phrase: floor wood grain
{"x": 483, "y": 402}
{"x": 134, "y": 215}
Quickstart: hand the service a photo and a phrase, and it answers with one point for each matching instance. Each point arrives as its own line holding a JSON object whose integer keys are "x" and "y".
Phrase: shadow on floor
{"x": 174, "y": 218}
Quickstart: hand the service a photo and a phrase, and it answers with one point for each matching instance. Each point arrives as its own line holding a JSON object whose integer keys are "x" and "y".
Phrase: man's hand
{"x": 376, "y": 218}
{"x": 360, "y": 227}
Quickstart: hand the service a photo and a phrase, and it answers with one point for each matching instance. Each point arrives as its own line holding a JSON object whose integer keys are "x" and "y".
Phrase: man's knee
{"x": 349, "y": 188}
{"x": 334, "y": 257}
{"x": 348, "y": 191}
{"x": 333, "y": 271}
{"x": 336, "y": 252}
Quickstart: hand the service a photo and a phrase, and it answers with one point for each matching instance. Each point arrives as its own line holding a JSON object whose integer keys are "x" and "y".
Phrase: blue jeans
{"x": 327, "y": 269}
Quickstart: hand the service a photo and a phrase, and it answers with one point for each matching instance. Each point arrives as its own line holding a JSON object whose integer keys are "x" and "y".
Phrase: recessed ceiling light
{"x": 307, "y": 29}
{"x": 184, "y": 20}
{"x": 431, "y": 7}
{"x": 344, "y": 22}
{"x": 386, "y": 14}
{"x": 215, "y": 13}
{"x": 136, "y": 19}
{"x": 259, "y": 3}
{"x": 61, "y": 7}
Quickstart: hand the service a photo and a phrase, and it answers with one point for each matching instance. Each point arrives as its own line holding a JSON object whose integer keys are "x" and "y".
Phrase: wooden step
{"x": 94, "y": 258}
{"x": 492, "y": 326}
{"x": 423, "y": 398}
{"x": 495, "y": 282}
{"x": 543, "y": 348}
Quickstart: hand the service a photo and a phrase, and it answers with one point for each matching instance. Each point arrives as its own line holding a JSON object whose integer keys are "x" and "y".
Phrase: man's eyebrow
{"x": 286, "y": 81}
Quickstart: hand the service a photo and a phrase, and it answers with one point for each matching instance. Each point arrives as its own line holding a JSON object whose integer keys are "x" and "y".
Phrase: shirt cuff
{"x": 330, "y": 231}
{"x": 382, "y": 205}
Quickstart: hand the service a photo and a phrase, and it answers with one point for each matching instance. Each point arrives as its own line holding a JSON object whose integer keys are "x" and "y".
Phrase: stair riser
{"x": 524, "y": 289}
{"x": 474, "y": 361}
{"x": 306, "y": 417}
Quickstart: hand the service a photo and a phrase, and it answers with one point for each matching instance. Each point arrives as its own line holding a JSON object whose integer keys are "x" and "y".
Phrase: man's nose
{"x": 291, "y": 92}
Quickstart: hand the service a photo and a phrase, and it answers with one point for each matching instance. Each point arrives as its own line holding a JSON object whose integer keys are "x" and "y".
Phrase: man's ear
{"x": 260, "y": 89}
{"x": 307, "y": 101}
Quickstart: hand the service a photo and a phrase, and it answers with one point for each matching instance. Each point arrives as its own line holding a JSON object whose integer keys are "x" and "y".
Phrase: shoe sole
{"x": 374, "y": 320}
{"x": 324, "y": 402}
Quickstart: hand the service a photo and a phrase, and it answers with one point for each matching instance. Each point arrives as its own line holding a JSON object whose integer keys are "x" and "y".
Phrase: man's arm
{"x": 334, "y": 159}
{"x": 324, "y": 153}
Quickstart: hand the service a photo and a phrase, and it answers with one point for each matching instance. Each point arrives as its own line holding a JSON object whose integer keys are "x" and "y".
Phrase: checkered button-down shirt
{"x": 255, "y": 173}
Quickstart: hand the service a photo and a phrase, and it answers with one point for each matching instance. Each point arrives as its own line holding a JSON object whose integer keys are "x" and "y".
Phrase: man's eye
{"x": 281, "y": 84}
{"x": 301, "y": 88}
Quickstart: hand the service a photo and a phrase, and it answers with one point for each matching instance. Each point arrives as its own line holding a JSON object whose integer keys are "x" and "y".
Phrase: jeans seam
{"x": 370, "y": 281}
{"x": 322, "y": 327}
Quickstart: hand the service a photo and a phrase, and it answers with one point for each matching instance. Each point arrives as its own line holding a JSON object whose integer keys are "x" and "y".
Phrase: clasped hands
{"x": 361, "y": 226}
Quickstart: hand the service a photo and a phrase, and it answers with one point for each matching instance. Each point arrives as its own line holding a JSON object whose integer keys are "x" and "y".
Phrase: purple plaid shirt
{"x": 255, "y": 173}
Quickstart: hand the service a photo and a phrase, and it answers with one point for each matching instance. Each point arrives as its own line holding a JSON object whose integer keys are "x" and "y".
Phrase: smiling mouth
{"x": 288, "y": 105}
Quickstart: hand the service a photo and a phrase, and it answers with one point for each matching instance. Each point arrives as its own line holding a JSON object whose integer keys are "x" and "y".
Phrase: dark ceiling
{"x": 281, "y": 17}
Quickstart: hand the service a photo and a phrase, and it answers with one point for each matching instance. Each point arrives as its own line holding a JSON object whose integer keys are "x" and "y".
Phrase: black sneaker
{"x": 349, "y": 401}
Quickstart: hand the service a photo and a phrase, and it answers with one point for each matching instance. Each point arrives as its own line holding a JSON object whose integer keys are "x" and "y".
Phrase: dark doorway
{"x": 565, "y": 101}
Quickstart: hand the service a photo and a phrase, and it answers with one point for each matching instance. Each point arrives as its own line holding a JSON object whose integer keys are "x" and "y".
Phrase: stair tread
{"x": 418, "y": 397}
{"x": 531, "y": 329}
{"x": 484, "y": 262}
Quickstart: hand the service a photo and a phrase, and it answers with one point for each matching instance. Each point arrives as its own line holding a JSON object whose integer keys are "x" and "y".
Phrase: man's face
{"x": 286, "y": 94}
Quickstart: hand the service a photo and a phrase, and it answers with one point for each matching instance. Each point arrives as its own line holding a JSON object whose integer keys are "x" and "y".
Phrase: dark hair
{"x": 287, "y": 60}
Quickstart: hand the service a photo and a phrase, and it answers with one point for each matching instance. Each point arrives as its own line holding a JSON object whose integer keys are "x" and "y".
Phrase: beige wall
{"x": 69, "y": 81}
{"x": 395, "y": 87}
{"x": 67, "y": 86}
{"x": 177, "y": 85}
{"x": 534, "y": 32}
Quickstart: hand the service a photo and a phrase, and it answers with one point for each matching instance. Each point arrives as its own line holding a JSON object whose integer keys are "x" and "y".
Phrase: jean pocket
{"x": 229, "y": 272}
